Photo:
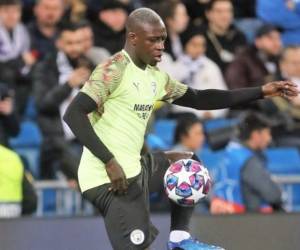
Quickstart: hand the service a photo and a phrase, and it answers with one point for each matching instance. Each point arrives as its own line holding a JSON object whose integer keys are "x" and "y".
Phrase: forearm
{"x": 77, "y": 120}
{"x": 218, "y": 99}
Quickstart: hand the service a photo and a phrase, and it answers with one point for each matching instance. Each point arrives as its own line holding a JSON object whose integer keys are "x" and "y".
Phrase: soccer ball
{"x": 186, "y": 182}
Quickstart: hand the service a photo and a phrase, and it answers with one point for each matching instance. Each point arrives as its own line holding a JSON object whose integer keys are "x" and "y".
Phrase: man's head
{"x": 114, "y": 14}
{"x": 189, "y": 133}
{"x": 267, "y": 39}
{"x": 194, "y": 42}
{"x": 49, "y": 12}
{"x": 10, "y": 13}
{"x": 290, "y": 62}
{"x": 145, "y": 35}
{"x": 255, "y": 131}
{"x": 70, "y": 40}
{"x": 174, "y": 15}
{"x": 219, "y": 14}
{"x": 87, "y": 35}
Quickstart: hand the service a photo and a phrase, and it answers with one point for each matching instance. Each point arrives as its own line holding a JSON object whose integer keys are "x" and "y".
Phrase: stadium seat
{"x": 30, "y": 111}
{"x": 283, "y": 160}
{"x": 155, "y": 142}
{"x": 219, "y": 123}
{"x": 164, "y": 129}
{"x": 212, "y": 160}
{"x": 27, "y": 144}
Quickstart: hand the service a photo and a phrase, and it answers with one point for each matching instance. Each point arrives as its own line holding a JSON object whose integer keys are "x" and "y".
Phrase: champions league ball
{"x": 186, "y": 182}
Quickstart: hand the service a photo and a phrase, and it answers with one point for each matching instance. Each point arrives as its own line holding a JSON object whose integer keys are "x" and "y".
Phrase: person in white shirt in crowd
{"x": 196, "y": 70}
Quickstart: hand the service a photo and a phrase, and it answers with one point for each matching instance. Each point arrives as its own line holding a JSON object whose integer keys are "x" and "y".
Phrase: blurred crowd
{"x": 48, "y": 49}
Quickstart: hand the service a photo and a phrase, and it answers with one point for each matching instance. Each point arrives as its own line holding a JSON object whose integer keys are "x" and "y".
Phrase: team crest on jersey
{"x": 154, "y": 88}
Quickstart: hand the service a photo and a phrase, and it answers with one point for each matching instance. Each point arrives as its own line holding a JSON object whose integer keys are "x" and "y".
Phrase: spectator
{"x": 285, "y": 15}
{"x": 75, "y": 10}
{"x": 196, "y": 70}
{"x": 9, "y": 125}
{"x": 288, "y": 111}
{"x": 95, "y": 54}
{"x": 256, "y": 64}
{"x": 109, "y": 28}
{"x": 196, "y": 10}
{"x": 17, "y": 195}
{"x": 223, "y": 38}
{"x": 189, "y": 134}
{"x": 244, "y": 8}
{"x": 44, "y": 29}
{"x": 176, "y": 20}
{"x": 244, "y": 183}
{"x": 15, "y": 56}
{"x": 57, "y": 80}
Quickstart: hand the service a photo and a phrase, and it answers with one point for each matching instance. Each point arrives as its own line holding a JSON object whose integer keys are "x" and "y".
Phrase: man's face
{"x": 149, "y": 42}
{"x": 10, "y": 15}
{"x": 221, "y": 14}
{"x": 262, "y": 138}
{"x": 195, "y": 47}
{"x": 290, "y": 63}
{"x": 270, "y": 43}
{"x": 70, "y": 42}
{"x": 179, "y": 21}
{"x": 49, "y": 12}
{"x": 87, "y": 38}
{"x": 194, "y": 138}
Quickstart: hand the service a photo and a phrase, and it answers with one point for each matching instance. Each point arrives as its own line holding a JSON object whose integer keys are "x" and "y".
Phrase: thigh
{"x": 155, "y": 165}
{"x": 126, "y": 217}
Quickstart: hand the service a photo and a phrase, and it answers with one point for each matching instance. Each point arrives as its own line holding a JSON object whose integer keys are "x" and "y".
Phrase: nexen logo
{"x": 142, "y": 107}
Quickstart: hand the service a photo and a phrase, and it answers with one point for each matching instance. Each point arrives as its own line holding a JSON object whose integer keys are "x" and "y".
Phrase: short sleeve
{"x": 173, "y": 90}
{"x": 105, "y": 79}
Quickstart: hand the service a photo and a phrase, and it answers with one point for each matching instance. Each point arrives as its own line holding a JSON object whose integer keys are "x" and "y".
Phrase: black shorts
{"x": 127, "y": 217}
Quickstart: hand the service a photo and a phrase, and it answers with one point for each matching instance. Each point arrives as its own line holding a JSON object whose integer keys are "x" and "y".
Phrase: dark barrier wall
{"x": 255, "y": 232}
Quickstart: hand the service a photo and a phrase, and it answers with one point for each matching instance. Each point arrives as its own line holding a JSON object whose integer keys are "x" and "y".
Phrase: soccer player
{"x": 109, "y": 117}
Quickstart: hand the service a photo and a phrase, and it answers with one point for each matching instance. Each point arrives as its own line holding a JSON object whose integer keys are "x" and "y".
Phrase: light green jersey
{"x": 125, "y": 95}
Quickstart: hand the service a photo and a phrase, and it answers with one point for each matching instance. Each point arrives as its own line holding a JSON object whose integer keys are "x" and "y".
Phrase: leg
{"x": 180, "y": 216}
{"x": 126, "y": 217}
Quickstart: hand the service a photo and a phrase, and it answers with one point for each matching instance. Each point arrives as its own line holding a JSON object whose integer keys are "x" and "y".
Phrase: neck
{"x": 47, "y": 30}
{"x": 217, "y": 30}
{"x": 251, "y": 145}
{"x": 131, "y": 52}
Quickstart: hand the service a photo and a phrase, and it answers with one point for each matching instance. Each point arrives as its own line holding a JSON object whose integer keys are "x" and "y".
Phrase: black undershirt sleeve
{"x": 218, "y": 99}
{"x": 77, "y": 119}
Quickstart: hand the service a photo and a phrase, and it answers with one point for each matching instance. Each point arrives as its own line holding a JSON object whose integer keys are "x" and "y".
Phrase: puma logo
{"x": 136, "y": 85}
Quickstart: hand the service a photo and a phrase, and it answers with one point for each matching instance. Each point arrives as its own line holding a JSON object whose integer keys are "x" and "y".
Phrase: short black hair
{"x": 252, "y": 121}
{"x": 69, "y": 26}
{"x": 210, "y": 5}
{"x": 84, "y": 23}
{"x": 10, "y": 2}
{"x": 183, "y": 126}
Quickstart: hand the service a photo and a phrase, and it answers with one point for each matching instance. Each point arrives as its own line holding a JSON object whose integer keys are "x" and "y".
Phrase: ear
{"x": 132, "y": 38}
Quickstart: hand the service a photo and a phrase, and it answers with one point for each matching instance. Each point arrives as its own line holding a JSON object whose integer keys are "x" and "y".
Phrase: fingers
{"x": 119, "y": 186}
{"x": 288, "y": 89}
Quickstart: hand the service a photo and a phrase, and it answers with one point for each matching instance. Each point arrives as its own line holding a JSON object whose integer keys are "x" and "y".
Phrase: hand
{"x": 29, "y": 58}
{"x": 284, "y": 89}
{"x": 6, "y": 106}
{"x": 117, "y": 177}
{"x": 79, "y": 76}
{"x": 174, "y": 156}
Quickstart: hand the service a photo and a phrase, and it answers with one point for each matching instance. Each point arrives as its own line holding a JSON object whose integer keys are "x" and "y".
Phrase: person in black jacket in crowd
{"x": 57, "y": 80}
